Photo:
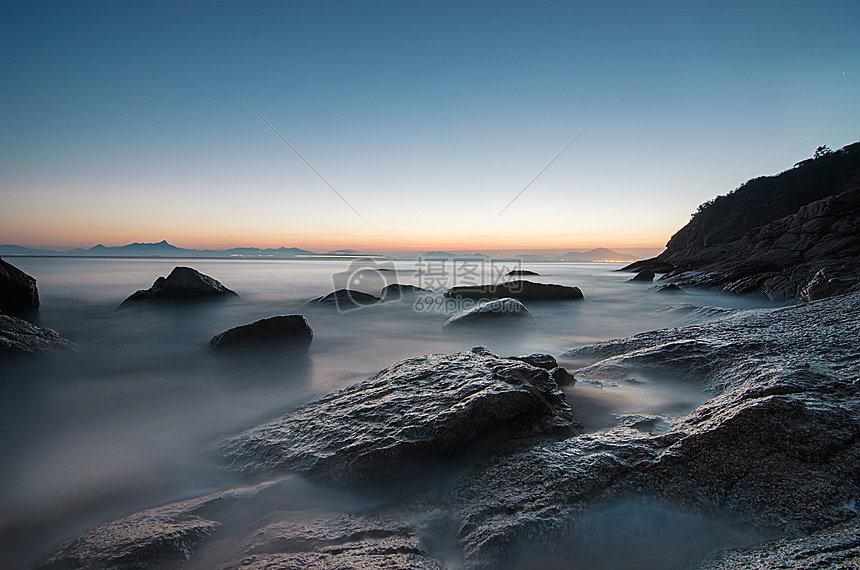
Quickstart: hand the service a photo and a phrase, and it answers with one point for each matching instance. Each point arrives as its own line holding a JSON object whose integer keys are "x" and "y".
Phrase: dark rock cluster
{"x": 183, "y": 284}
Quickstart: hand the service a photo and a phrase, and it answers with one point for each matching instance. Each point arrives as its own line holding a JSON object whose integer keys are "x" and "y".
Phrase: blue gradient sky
{"x": 121, "y": 121}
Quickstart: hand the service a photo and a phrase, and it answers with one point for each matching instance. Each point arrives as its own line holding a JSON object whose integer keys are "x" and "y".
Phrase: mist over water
{"x": 135, "y": 421}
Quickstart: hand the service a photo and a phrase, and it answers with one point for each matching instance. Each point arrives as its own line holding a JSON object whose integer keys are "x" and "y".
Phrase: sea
{"x": 136, "y": 419}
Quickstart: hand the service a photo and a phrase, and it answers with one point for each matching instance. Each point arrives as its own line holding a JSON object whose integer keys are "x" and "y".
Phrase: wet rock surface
{"x": 520, "y": 289}
{"x": 18, "y": 292}
{"x": 418, "y": 410}
{"x": 290, "y": 333}
{"x": 507, "y": 311}
{"x": 18, "y": 337}
{"x": 163, "y": 537}
{"x": 183, "y": 284}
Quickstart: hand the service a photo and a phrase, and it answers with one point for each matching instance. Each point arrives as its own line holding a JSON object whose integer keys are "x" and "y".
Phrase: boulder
{"x": 538, "y": 359}
{"x": 17, "y": 336}
{"x": 519, "y": 289}
{"x": 668, "y": 288}
{"x": 646, "y": 275}
{"x": 290, "y": 333}
{"x": 521, "y": 273}
{"x": 397, "y": 290}
{"x": 506, "y": 311}
{"x": 182, "y": 285}
{"x": 419, "y": 410}
{"x": 18, "y": 292}
{"x": 346, "y": 300}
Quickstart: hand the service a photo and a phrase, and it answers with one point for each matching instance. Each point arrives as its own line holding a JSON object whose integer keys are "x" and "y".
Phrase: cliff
{"x": 795, "y": 235}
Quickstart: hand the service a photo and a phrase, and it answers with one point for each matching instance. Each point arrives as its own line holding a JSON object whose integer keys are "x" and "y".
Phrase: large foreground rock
{"x": 501, "y": 311}
{"x": 774, "y": 451}
{"x": 183, "y": 284}
{"x": 290, "y": 333}
{"x": 520, "y": 289}
{"x": 416, "y": 411}
{"x": 18, "y": 292}
{"x": 17, "y": 336}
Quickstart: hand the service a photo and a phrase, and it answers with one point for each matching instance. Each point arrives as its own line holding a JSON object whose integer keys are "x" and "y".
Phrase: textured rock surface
{"x": 775, "y": 449}
{"x": 791, "y": 236}
{"x": 507, "y": 311}
{"x": 519, "y": 289}
{"x": 18, "y": 291}
{"x": 420, "y": 409}
{"x": 17, "y": 336}
{"x": 183, "y": 284}
{"x": 164, "y": 538}
{"x": 837, "y": 547}
{"x": 286, "y": 332}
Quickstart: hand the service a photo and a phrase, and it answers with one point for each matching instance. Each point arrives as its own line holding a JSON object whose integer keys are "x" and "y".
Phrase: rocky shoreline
{"x": 771, "y": 455}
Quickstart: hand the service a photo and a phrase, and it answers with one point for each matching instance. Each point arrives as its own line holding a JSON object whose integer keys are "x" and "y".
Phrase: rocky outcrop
{"x": 520, "y": 290}
{"x": 183, "y": 284}
{"x": 774, "y": 450}
{"x": 416, "y": 411}
{"x": 791, "y": 236}
{"x": 646, "y": 276}
{"x": 500, "y": 311}
{"x": 521, "y": 273}
{"x": 290, "y": 333}
{"x": 346, "y": 300}
{"x": 163, "y": 538}
{"x": 18, "y": 337}
{"x": 18, "y": 292}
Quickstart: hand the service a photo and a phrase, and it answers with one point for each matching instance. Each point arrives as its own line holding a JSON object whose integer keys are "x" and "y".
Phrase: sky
{"x": 420, "y": 124}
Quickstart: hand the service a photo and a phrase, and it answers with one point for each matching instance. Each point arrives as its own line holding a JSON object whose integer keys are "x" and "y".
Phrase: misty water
{"x": 135, "y": 421}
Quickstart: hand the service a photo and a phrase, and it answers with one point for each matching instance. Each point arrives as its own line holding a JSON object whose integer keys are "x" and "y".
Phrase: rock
{"x": 17, "y": 336}
{"x": 645, "y": 275}
{"x": 395, "y": 291}
{"x": 501, "y": 310}
{"x": 519, "y": 290}
{"x": 562, "y": 377}
{"x": 286, "y": 333}
{"x": 18, "y": 292}
{"x": 774, "y": 450}
{"x": 521, "y": 273}
{"x": 182, "y": 285}
{"x": 346, "y": 300}
{"x": 538, "y": 359}
{"x": 670, "y": 288}
{"x": 836, "y": 547}
{"x": 774, "y": 235}
{"x": 163, "y": 537}
{"x": 416, "y": 411}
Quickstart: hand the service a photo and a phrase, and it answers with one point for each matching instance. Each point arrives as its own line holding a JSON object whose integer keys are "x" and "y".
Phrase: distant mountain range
{"x": 164, "y": 249}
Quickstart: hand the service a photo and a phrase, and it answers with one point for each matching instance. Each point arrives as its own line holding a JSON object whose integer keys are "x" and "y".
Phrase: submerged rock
{"x": 18, "y": 292}
{"x": 416, "y": 411}
{"x": 17, "y": 336}
{"x": 670, "y": 288}
{"x": 346, "y": 300}
{"x": 183, "y": 284}
{"x": 509, "y": 311}
{"x": 163, "y": 537}
{"x": 646, "y": 275}
{"x": 520, "y": 290}
{"x": 397, "y": 290}
{"x": 286, "y": 332}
